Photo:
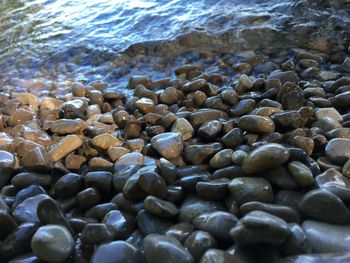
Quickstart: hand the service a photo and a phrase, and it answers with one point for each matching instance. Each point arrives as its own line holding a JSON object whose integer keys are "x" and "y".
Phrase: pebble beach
{"x": 210, "y": 148}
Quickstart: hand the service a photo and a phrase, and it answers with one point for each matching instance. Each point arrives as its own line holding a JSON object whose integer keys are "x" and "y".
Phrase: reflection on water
{"x": 67, "y": 39}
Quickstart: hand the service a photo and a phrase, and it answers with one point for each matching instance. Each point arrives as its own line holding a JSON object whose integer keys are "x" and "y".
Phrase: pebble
{"x": 104, "y": 141}
{"x": 37, "y": 159}
{"x": 256, "y": 124}
{"x": 334, "y": 182}
{"x": 160, "y": 207}
{"x": 180, "y": 231}
{"x": 210, "y": 130}
{"x": 65, "y": 126}
{"x": 199, "y": 242}
{"x": 301, "y": 173}
{"x": 221, "y": 159}
{"x": 183, "y": 126}
{"x": 20, "y": 116}
{"x": 7, "y": 164}
{"x": 52, "y": 243}
{"x": 159, "y": 248}
{"x": 238, "y": 157}
{"x": 168, "y": 144}
{"x": 265, "y": 157}
{"x": 64, "y": 147}
{"x": 338, "y": 150}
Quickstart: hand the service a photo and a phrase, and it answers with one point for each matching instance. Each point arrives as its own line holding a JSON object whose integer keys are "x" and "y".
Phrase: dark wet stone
{"x": 265, "y": 157}
{"x": 132, "y": 189}
{"x": 221, "y": 159}
{"x": 188, "y": 183}
{"x": 49, "y": 212}
{"x": 27, "y": 210}
{"x": 25, "y": 193}
{"x": 233, "y": 138}
{"x": 229, "y": 172}
{"x": 281, "y": 178}
{"x": 126, "y": 205}
{"x": 338, "y": 150}
{"x": 26, "y": 179}
{"x": 301, "y": 173}
{"x": 167, "y": 170}
{"x": 213, "y": 190}
{"x": 97, "y": 233}
{"x": 150, "y": 224}
{"x": 159, "y": 248}
{"x": 218, "y": 224}
{"x": 176, "y": 194}
{"x": 243, "y": 107}
{"x": 260, "y": 227}
{"x": 52, "y": 243}
{"x": 193, "y": 207}
{"x": 330, "y": 208}
{"x": 27, "y": 258}
{"x": 102, "y": 181}
{"x": 341, "y": 100}
{"x": 201, "y": 153}
{"x": 88, "y": 198}
{"x": 199, "y": 242}
{"x": 288, "y": 198}
{"x": 217, "y": 256}
{"x": 210, "y": 130}
{"x": 18, "y": 242}
{"x": 204, "y": 115}
{"x": 256, "y": 124}
{"x": 334, "y": 182}
{"x": 287, "y": 119}
{"x": 99, "y": 211}
{"x": 122, "y": 223}
{"x": 297, "y": 242}
{"x": 325, "y": 237}
{"x": 286, "y": 213}
{"x": 68, "y": 185}
{"x": 160, "y": 207}
{"x": 153, "y": 184}
{"x": 284, "y": 76}
{"x": 338, "y": 257}
{"x": 293, "y": 100}
{"x": 7, "y": 163}
{"x": 7, "y": 224}
{"x": 136, "y": 239}
{"x": 117, "y": 252}
{"x": 180, "y": 231}
{"x": 246, "y": 189}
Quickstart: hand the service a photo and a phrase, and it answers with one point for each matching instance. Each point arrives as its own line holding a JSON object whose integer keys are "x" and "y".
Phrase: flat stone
{"x": 52, "y": 243}
{"x": 265, "y": 157}
{"x": 325, "y": 237}
{"x": 104, "y": 141}
{"x": 324, "y": 206}
{"x": 25, "y": 179}
{"x": 159, "y": 248}
{"x": 65, "y": 126}
{"x": 168, "y": 144}
{"x": 64, "y": 147}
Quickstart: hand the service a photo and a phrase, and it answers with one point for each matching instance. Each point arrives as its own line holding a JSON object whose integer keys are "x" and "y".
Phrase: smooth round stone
{"x": 221, "y": 159}
{"x": 324, "y": 206}
{"x": 246, "y": 189}
{"x": 52, "y": 243}
{"x": 233, "y": 138}
{"x": 286, "y": 213}
{"x": 327, "y": 124}
{"x": 7, "y": 224}
{"x": 260, "y": 227}
{"x": 159, "y": 249}
{"x": 242, "y": 107}
{"x": 256, "y": 124}
{"x": 69, "y": 185}
{"x": 265, "y": 157}
{"x": 20, "y": 116}
{"x": 328, "y": 112}
{"x": 346, "y": 169}
{"x": 145, "y": 105}
{"x": 325, "y": 238}
{"x": 184, "y": 127}
{"x": 122, "y": 223}
{"x": 216, "y": 256}
{"x": 201, "y": 153}
{"x": 180, "y": 231}
{"x": 96, "y": 233}
{"x": 218, "y": 224}
{"x": 297, "y": 242}
{"x": 301, "y": 173}
{"x": 101, "y": 180}
{"x": 168, "y": 144}
{"x": 26, "y": 179}
{"x": 153, "y": 184}
{"x": 132, "y": 189}
{"x": 25, "y": 193}
{"x": 150, "y": 224}
{"x": 104, "y": 141}
{"x": 281, "y": 178}
{"x": 210, "y": 130}
{"x": 129, "y": 161}
{"x": 201, "y": 116}
{"x": 338, "y": 150}
{"x": 334, "y": 182}
{"x": 238, "y": 156}
{"x": 65, "y": 126}
{"x": 99, "y": 211}
{"x": 213, "y": 190}
{"x": 198, "y": 243}
{"x": 193, "y": 206}
{"x": 37, "y": 159}
{"x": 27, "y": 210}
{"x": 7, "y": 163}
{"x": 167, "y": 170}
{"x": 116, "y": 252}
{"x": 88, "y": 198}
{"x": 18, "y": 242}
{"x": 160, "y": 207}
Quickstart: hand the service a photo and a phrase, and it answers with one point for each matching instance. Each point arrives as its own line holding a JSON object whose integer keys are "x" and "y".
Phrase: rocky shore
{"x": 250, "y": 166}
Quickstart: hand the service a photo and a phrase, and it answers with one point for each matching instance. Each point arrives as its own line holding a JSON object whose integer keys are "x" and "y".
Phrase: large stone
{"x": 168, "y": 144}
{"x": 52, "y": 243}
{"x": 159, "y": 249}
{"x": 265, "y": 157}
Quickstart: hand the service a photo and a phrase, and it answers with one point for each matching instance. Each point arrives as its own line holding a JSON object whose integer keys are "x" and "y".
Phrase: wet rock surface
{"x": 202, "y": 167}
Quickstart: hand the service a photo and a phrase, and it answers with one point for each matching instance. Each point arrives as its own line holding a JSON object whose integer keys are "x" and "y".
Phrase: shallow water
{"x": 89, "y": 40}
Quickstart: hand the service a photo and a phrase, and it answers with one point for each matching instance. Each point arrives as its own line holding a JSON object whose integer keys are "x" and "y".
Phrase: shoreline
{"x": 197, "y": 167}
